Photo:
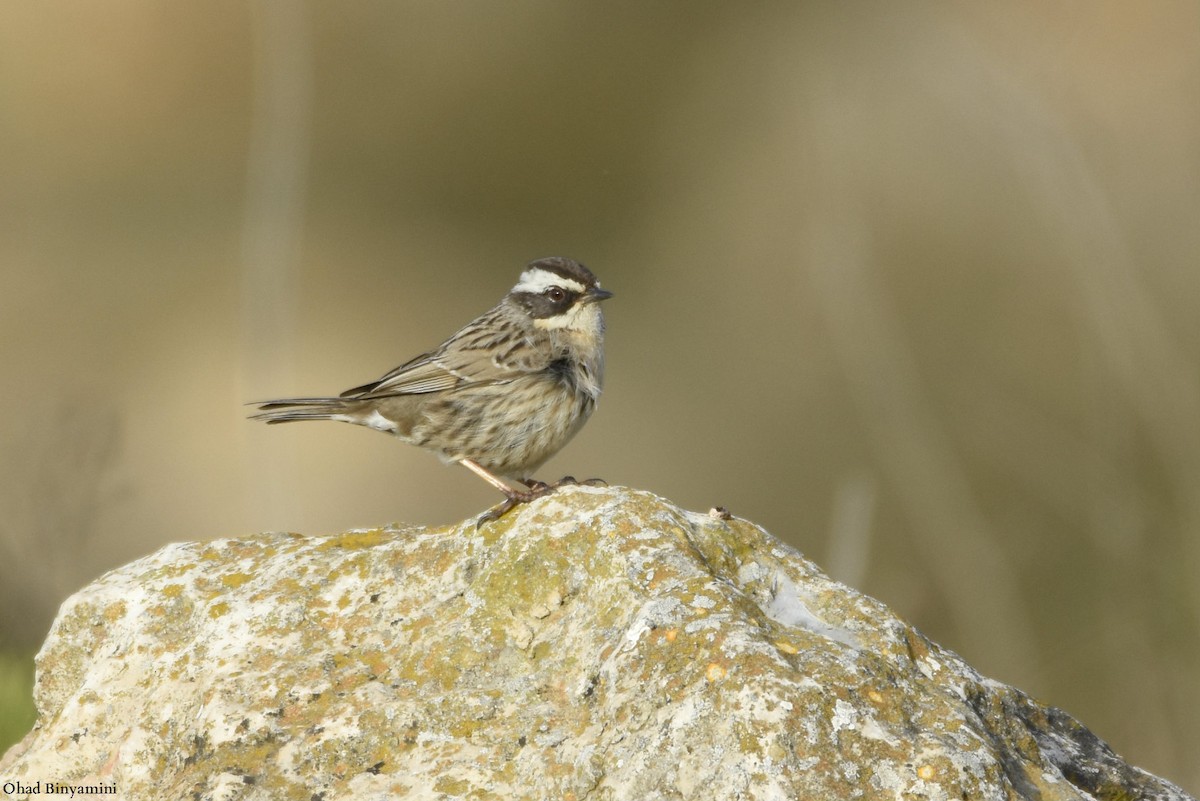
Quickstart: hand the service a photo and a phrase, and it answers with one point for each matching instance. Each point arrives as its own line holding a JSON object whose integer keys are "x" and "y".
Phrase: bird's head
{"x": 561, "y": 295}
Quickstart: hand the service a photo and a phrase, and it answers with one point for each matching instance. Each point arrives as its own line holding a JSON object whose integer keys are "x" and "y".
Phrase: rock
{"x": 597, "y": 643}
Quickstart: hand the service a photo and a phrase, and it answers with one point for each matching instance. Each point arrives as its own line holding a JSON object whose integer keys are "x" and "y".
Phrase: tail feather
{"x": 286, "y": 410}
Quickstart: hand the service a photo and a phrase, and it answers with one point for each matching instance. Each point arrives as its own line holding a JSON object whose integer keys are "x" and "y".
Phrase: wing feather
{"x": 485, "y": 352}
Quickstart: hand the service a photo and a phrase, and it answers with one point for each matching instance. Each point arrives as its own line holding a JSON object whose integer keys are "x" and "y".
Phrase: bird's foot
{"x": 534, "y": 490}
{"x": 567, "y": 481}
{"x": 540, "y": 487}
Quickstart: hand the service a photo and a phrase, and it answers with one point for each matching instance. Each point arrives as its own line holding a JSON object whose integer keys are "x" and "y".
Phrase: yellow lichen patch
{"x": 345, "y": 681}
{"x": 786, "y": 647}
{"x": 875, "y": 696}
{"x": 263, "y": 661}
{"x": 356, "y": 539}
{"x": 172, "y": 590}
{"x": 925, "y": 772}
{"x": 377, "y": 661}
{"x": 286, "y": 587}
{"x": 670, "y": 634}
{"x": 173, "y": 571}
{"x": 235, "y": 580}
{"x": 450, "y": 786}
{"x": 463, "y": 729}
{"x": 180, "y": 666}
{"x": 114, "y": 611}
{"x": 715, "y": 671}
{"x": 218, "y": 609}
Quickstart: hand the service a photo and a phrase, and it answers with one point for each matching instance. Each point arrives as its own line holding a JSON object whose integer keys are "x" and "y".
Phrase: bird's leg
{"x": 512, "y": 497}
{"x": 496, "y": 481}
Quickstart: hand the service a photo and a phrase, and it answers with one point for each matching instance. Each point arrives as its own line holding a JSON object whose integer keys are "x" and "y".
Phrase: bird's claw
{"x": 496, "y": 512}
{"x": 569, "y": 481}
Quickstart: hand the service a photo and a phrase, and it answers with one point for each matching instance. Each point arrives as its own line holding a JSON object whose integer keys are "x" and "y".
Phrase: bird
{"x": 502, "y": 395}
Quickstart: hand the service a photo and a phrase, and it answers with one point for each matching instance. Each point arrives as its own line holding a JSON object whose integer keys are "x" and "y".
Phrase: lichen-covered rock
{"x": 598, "y": 643}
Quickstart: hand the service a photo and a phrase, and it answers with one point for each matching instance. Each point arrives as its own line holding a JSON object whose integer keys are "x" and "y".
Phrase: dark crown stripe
{"x": 565, "y": 268}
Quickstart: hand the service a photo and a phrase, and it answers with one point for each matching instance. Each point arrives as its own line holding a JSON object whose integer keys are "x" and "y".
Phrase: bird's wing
{"x": 422, "y": 374}
{"x": 478, "y": 354}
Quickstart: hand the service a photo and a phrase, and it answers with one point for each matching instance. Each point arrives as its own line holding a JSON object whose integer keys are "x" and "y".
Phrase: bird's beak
{"x": 596, "y": 294}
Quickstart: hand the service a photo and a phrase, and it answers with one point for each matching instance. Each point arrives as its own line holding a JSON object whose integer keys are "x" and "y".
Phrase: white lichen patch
{"x": 844, "y": 716}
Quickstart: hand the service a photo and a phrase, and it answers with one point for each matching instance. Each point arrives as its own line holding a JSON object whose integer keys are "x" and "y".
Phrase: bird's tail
{"x": 286, "y": 410}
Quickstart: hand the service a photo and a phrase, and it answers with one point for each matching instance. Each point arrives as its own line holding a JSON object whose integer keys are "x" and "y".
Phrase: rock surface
{"x": 598, "y": 644}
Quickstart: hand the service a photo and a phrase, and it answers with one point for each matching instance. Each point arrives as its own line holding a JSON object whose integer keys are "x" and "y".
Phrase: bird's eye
{"x": 556, "y": 294}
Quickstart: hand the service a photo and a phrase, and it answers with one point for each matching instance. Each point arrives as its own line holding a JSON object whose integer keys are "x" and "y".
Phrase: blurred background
{"x": 915, "y": 288}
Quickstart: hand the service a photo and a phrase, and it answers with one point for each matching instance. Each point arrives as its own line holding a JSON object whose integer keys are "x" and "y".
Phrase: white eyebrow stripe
{"x": 538, "y": 281}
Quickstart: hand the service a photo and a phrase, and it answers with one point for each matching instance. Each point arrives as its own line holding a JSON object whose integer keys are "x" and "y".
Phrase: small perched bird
{"x": 499, "y": 397}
